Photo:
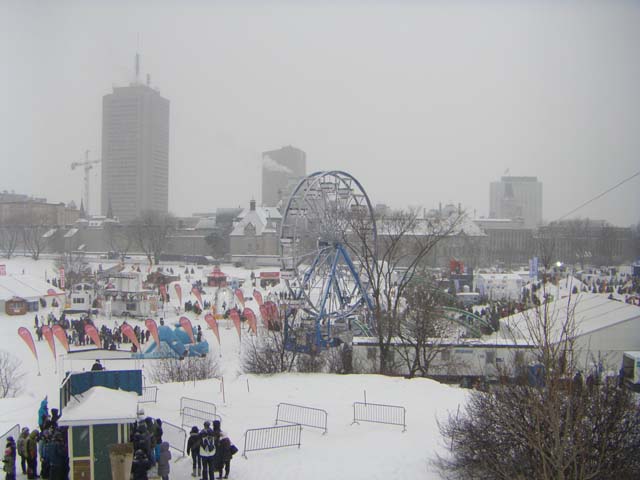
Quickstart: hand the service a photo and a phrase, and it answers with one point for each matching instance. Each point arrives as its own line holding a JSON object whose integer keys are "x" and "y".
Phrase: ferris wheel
{"x": 328, "y": 234}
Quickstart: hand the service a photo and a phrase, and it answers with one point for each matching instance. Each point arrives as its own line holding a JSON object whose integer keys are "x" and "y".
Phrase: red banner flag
{"x": 150, "y": 323}
{"x": 25, "y": 334}
{"x": 61, "y": 335}
{"x": 93, "y": 334}
{"x": 265, "y": 314}
{"x": 258, "y": 296}
{"x": 196, "y": 292}
{"x": 127, "y": 331}
{"x": 251, "y": 319}
{"x": 163, "y": 293}
{"x": 48, "y": 336}
{"x": 178, "y": 292}
{"x": 185, "y": 323}
{"x": 213, "y": 323}
{"x": 240, "y": 296}
{"x": 61, "y": 278}
{"x": 274, "y": 314}
{"x": 235, "y": 316}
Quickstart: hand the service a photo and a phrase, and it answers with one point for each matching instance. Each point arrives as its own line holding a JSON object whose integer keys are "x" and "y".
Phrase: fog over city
{"x": 423, "y": 102}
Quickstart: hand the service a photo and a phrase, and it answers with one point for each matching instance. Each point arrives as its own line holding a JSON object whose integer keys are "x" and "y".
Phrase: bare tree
{"x": 423, "y": 332}
{"x": 556, "y": 427}
{"x": 268, "y": 353}
{"x": 10, "y": 235}
{"x": 11, "y": 375}
{"x": 76, "y": 267}
{"x": 33, "y": 231}
{"x": 389, "y": 260}
{"x": 188, "y": 369}
{"x": 151, "y": 233}
{"x": 119, "y": 238}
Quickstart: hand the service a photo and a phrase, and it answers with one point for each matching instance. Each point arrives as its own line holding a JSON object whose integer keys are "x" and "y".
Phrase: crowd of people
{"x": 211, "y": 451}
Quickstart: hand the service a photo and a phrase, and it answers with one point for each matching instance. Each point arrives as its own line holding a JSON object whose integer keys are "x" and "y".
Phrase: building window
{"x": 78, "y": 300}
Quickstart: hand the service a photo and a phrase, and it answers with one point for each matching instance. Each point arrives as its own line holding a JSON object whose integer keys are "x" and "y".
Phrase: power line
{"x": 598, "y": 196}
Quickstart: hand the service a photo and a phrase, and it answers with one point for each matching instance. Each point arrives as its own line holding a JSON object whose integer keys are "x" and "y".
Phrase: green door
{"x": 103, "y": 435}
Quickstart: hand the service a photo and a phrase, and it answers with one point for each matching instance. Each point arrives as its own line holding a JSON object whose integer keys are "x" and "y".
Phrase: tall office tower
{"x": 517, "y": 198}
{"x": 281, "y": 170}
{"x": 135, "y": 150}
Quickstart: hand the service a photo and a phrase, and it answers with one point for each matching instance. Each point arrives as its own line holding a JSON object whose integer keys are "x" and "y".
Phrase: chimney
{"x": 252, "y": 205}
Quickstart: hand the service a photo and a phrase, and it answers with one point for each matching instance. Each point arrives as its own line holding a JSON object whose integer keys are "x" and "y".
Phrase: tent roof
{"x": 27, "y": 287}
{"x": 100, "y": 406}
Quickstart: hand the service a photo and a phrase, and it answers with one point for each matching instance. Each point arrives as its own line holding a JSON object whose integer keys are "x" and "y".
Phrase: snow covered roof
{"x": 27, "y": 287}
{"x": 260, "y": 219}
{"x": 99, "y": 406}
{"x": 592, "y": 312}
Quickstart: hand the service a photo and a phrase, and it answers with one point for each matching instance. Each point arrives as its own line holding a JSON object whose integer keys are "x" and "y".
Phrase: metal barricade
{"x": 191, "y": 417}
{"x": 12, "y": 432}
{"x": 378, "y": 413}
{"x": 272, "y": 437}
{"x": 175, "y": 435}
{"x": 207, "y": 407}
{"x": 149, "y": 395}
{"x": 307, "y": 416}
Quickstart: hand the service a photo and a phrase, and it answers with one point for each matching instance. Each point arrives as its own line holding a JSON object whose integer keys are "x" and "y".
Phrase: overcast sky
{"x": 423, "y": 102}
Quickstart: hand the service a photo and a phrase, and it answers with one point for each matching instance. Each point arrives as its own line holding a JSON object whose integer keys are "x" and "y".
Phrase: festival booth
{"x": 269, "y": 279}
{"x": 216, "y": 278}
{"x": 124, "y": 295}
{"x": 98, "y": 408}
{"x": 15, "y": 306}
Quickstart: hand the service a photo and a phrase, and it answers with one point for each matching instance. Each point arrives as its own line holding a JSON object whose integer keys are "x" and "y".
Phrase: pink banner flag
{"x": 251, "y": 319}
{"x": 61, "y": 335}
{"x": 93, "y": 334}
{"x": 163, "y": 293}
{"x": 127, "y": 331}
{"x": 274, "y": 315}
{"x": 51, "y": 291}
{"x": 240, "y": 296}
{"x": 196, "y": 292}
{"x": 178, "y": 292}
{"x": 185, "y": 323}
{"x": 25, "y": 334}
{"x": 150, "y": 323}
{"x": 235, "y": 316}
{"x": 258, "y": 296}
{"x": 48, "y": 336}
{"x": 265, "y": 314}
{"x": 213, "y": 323}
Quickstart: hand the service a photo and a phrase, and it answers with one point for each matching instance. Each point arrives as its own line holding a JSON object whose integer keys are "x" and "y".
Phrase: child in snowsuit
{"x": 163, "y": 461}
{"x": 9, "y": 459}
{"x": 193, "y": 448}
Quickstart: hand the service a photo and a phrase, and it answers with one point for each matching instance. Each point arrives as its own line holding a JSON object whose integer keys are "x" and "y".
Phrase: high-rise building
{"x": 517, "y": 198}
{"x": 135, "y": 151}
{"x": 281, "y": 170}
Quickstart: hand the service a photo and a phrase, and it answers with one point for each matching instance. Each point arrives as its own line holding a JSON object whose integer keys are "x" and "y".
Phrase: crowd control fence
{"x": 378, "y": 413}
{"x": 272, "y": 437}
{"x": 307, "y": 416}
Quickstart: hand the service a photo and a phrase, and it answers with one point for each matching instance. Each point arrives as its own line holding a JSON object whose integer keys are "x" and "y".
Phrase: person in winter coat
{"x": 222, "y": 457}
{"x": 163, "y": 461}
{"x": 207, "y": 450}
{"x": 31, "y": 448}
{"x": 58, "y": 456}
{"x": 22, "y": 450}
{"x": 140, "y": 466}
{"x": 193, "y": 449}
{"x": 9, "y": 459}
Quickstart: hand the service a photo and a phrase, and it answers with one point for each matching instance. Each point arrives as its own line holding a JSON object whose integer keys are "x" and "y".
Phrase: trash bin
{"x": 121, "y": 457}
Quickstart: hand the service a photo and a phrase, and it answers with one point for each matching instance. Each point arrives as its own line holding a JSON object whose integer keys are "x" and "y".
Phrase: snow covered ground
{"x": 364, "y": 451}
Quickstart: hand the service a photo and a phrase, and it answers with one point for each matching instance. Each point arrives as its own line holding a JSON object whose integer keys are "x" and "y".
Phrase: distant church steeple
{"x": 82, "y": 212}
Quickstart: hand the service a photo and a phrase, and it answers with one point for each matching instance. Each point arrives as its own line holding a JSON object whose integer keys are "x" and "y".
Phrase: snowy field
{"x": 364, "y": 451}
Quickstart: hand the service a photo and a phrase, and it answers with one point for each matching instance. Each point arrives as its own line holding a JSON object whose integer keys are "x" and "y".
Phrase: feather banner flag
{"x": 185, "y": 323}
{"x": 61, "y": 335}
{"x": 196, "y": 292}
{"x": 235, "y": 316}
{"x": 213, "y": 323}
{"x": 151, "y": 325}
{"x": 25, "y": 334}
{"x": 258, "y": 296}
{"x": 251, "y": 319}
{"x": 48, "y": 336}
{"x": 240, "y": 297}
{"x": 266, "y": 316}
{"x": 178, "y": 292}
{"x": 93, "y": 334}
{"x": 163, "y": 293}
{"x": 127, "y": 331}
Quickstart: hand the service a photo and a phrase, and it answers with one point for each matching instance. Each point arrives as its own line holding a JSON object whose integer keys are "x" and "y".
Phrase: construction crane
{"x": 88, "y": 165}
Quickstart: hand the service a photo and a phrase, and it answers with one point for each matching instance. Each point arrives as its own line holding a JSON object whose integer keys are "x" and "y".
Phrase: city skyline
{"x": 484, "y": 95}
